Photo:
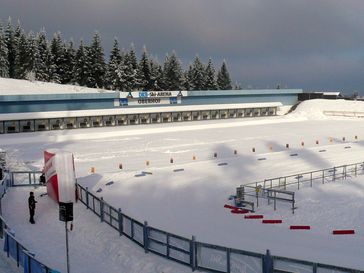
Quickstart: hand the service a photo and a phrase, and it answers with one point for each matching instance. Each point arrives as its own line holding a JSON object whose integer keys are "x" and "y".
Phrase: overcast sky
{"x": 309, "y": 44}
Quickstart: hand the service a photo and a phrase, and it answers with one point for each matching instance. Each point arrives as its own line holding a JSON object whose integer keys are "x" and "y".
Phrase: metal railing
{"x": 344, "y": 114}
{"x": 197, "y": 255}
{"x": 320, "y": 176}
{"x": 12, "y": 247}
{"x": 24, "y": 178}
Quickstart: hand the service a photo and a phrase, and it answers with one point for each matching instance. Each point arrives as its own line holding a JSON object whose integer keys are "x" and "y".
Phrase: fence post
{"x": 168, "y": 245}
{"x": 311, "y": 179}
{"x": 267, "y": 263}
{"x": 193, "y": 253}
{"x": 1, "y": 226}
{"x": 333, "y": 175}
{"x": 29, "y": 263}
{"x": 228, "y": 260}
{"x": 314, "y": 268}
{"x": 101, "y": 209}
{"x": 323, "y": 176}
{"x": 145, "y": 236}
{"x": 17, "y": 253}
{"x": 120, "y": 220}
{"x": 7, "y": 244}
{"x": 87, "y": 197}
{"x": 275, "y": 200}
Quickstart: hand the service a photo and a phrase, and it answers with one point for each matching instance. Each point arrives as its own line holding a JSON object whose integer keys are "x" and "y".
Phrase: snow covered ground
{"x": 23, "y": 87}
{"x": 191, "y": 202}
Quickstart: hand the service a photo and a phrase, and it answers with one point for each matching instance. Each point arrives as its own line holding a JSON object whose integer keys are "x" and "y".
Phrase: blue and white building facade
{"x": 27, "y": 112}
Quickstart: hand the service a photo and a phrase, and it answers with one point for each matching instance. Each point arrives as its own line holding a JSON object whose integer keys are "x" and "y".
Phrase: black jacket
{"x": 31, "y": 202}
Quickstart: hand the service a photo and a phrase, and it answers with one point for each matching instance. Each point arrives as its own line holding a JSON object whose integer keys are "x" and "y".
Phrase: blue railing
{"x": 197, "y": 255}
{"x": 12, "y": 247}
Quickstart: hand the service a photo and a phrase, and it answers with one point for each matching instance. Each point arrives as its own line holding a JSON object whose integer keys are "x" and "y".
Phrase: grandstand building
{"x": 39, "y": 110}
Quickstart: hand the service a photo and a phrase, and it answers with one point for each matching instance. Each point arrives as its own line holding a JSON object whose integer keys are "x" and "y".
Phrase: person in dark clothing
{"x": 42, "y": 179}
{"x": 31, "y": 204}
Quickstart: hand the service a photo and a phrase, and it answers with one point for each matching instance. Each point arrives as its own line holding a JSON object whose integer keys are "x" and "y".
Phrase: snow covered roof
{"x": 135, "y": 110}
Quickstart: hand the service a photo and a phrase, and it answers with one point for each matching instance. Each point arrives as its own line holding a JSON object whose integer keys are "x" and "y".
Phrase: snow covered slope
{"x": 23, "y": 87}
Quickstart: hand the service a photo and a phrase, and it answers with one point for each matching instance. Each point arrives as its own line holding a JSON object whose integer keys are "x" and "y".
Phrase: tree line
{"x": 32, "y": 56}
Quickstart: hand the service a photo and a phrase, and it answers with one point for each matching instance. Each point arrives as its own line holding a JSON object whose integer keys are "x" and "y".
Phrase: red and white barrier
{"x": 60, "y": 176}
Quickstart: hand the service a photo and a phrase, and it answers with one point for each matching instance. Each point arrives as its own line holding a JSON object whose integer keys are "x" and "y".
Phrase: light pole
{"x": 65, "y": 215}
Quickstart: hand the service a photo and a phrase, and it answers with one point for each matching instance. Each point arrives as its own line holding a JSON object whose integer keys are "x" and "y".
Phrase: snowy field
{"x": 191, "y": 202}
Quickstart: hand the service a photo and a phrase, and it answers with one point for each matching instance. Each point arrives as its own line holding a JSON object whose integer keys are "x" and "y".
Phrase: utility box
{"x": 65, "y": 212}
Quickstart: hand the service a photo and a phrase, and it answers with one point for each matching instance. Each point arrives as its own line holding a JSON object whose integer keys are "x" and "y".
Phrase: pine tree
{"x": 11, "y": 48}
{"x": 172, "y": 73}
{"x": 33, "y": 56}
{"x": 223, "y": 78}
{"x": 131, "y": 69}
{"x": 113, "y": 68}
{"x": 210, "y": 83}
{"x": 188, "y": 75}
{"x": 57, "y": 50}
{"x": 156, "y": 75}
{"x": 22, "y": 56}
{"x": 4, "y": 63}
{"x": 97, "y": 68}
{"x": 41, "y": 68}
{"x": 68, "y": 62}
{"x": 144, "y": 72}
{"x": 198, "y": 79}
{"x": 80, "y": 70}
{"x": 129, "y": 74}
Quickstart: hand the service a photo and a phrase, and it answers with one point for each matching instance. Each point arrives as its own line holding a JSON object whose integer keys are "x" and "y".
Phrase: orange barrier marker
{"x": 302, "y": 144}
{"x": 147, "y": 162}
{"x": 270, "y": 148}
{"x": 330, "y": 139}
{"x": 93, "y": 170}
{"x": 194, "y": 157}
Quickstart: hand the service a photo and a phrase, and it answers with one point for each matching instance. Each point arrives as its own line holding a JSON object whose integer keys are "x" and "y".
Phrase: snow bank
{"x": 23, "y": 87}
{"x": 315, "y": 109}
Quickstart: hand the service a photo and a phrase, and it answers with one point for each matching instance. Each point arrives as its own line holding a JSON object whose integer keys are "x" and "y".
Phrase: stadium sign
{"x": 153, "y": 94}
{"x": 149, "y": 101}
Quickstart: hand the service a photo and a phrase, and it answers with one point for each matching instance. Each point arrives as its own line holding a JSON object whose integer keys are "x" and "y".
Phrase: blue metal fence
{"x": 198, "y": 255}
{"x": 12, "y": 247}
